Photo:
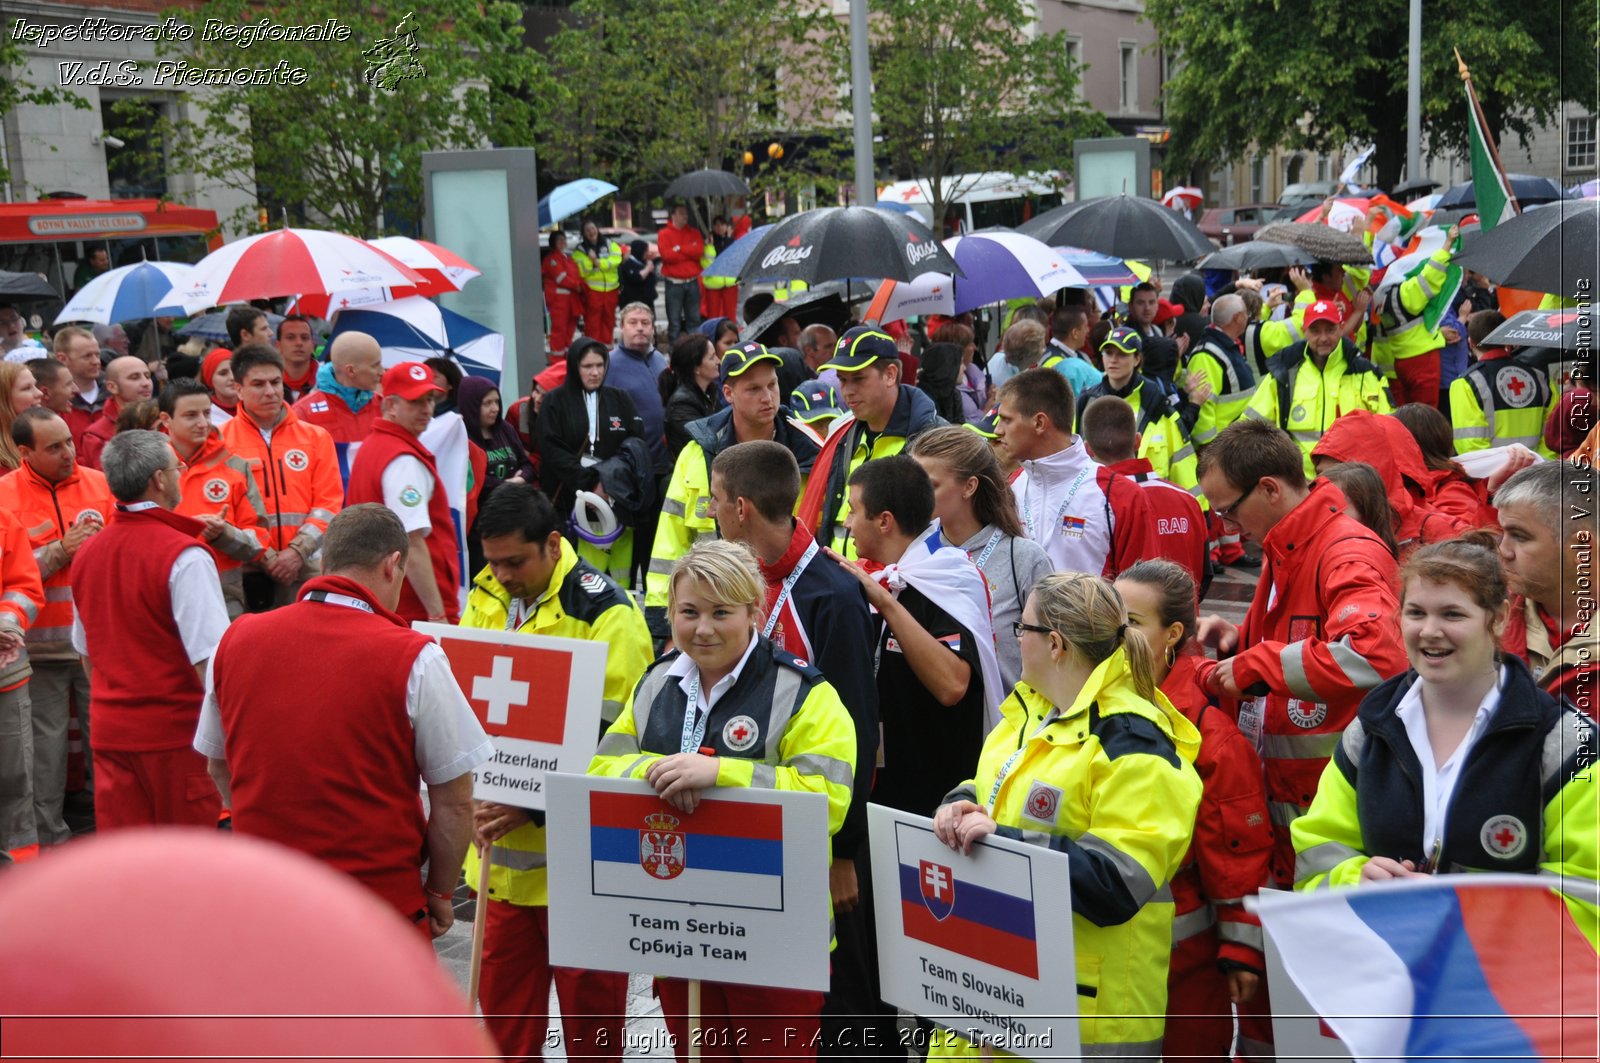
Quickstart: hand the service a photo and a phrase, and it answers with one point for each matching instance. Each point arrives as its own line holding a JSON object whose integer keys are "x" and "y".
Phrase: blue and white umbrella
{"x": 415, "y": 329}
{"x": 132, "y": 293}
{"x": 997, "y": 266}
{"x": 566, "y": 200}
{"x": 214, "y": 327}
{"x": 731, "y": 258}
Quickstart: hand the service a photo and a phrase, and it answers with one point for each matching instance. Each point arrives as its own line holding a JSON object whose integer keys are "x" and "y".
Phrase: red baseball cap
{"x": 1323, "y": 310}
{"x": 1166, "y": 311}
{"x": 409, "y": 381}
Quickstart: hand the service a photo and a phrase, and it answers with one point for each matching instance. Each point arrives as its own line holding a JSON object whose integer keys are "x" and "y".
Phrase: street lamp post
{"x": 861, "y": 96}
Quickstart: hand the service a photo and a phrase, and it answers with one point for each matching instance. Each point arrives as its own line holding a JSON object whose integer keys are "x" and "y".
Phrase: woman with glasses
{"x": 1091, "y": 760}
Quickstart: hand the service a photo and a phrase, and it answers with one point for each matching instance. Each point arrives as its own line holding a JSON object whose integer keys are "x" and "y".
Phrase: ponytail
{"x": 1141, "y": 662}
{"x": 1088, "y": 614}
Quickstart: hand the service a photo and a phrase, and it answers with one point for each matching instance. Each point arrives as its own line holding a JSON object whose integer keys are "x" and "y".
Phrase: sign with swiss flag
{"x": 537, "y": 697}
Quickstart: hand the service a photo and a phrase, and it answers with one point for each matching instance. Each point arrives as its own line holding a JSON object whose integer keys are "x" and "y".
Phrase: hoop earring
{"x": 1172, "y": 656}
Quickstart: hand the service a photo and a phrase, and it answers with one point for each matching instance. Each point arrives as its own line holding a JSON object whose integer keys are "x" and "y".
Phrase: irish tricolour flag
{"x": 1489, "y": 184}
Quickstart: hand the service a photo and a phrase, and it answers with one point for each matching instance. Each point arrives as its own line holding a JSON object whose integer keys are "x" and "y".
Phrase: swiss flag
{"x": 515, "y": 691}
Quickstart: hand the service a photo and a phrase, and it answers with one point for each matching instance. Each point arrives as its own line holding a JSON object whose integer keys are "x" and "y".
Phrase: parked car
{"x": 1235, "y": 225}
{"x": 1304, "y": 194}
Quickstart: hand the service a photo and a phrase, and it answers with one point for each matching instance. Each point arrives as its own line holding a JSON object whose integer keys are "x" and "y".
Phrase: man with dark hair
{"x": 884, "y": 418}
{"x": 534, "y": 582}
{"x": 283, "y": 754}
{"x": 681, "y": 245}
{"x": 62, "y": 505}
{"x": 1111, "y": 435}
{"x": 96, "y": 262}
{"x": 246, "y": 325}
{"x": 1143, "y": 303}
{"x": 128, "y": 380}
{"x": 1087, "y": 518}
{"x": 79, "y": 351}
{"x": 296, "y": 468}
{"x": 148, "y": 616}
{"x": 217, "y": 487}
{"x": 56, "y": 384}
{"x": 296, "y": 344}
{"x": 1067, "y": 351}
{"x": 938, "y": 678}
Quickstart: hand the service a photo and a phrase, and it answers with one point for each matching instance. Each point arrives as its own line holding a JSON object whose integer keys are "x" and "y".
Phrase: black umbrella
{"x": 1570, "y": 329}
{"x": 825, "y": 304}
{"x": 26, "y": 285}
{"x": 1408, "y": 190}
{"x": 836, "y": 242}
{"x": 705, "y": 183}
{"x": 1124, "y": 226}
{"x": 1257, "y": 254}
{"x": 1528, "y": 189}
{"x": 1552, "y": 249}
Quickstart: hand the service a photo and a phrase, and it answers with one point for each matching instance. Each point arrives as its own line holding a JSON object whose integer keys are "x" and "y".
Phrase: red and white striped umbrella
{"x": 294, "y": 262}
{"x": 440, "y": 265}
{"x": 1184, "y": 197}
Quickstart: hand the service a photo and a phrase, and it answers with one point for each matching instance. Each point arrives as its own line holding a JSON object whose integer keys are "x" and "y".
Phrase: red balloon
{"x": 173, "y": 943}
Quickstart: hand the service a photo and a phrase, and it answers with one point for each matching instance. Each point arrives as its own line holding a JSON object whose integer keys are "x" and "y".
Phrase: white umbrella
{"x": 997, "y": 266}
{"x": 133, "y": 293}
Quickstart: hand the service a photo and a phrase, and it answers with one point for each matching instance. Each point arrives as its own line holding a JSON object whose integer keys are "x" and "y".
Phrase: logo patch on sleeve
{"x": 410, "y": 496}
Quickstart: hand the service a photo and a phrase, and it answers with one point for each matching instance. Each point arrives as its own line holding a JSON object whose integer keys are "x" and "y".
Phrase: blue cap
{"x": 1125, "y": 340}
{"x": 814, "y": 400}
{"x": 860, "y": 347}
{"x": 987, "y": 425}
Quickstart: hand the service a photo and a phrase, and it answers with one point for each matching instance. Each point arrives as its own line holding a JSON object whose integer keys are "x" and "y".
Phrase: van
{"x": 980, "y": 200}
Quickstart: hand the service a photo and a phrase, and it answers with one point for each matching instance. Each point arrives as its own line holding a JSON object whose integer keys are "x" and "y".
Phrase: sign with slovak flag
{"x": 979, "y": 944}
{"x": 537, "y": 697}
{"x": 736, "y": 891}
{"x": 1446, "y": 967}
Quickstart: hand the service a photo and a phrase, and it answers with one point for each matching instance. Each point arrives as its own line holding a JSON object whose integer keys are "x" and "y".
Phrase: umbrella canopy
{"x": 29, "y": 285}
{"x": 1320, "y": 241}
{"x": 704, "y": 183}
{"x": 1528, "y": 189}
{"x": 1184, "y": 197}
{"x": 1125, "y": 226}
{"x": 834, "y": 242}
{"x": 1253, "y": 254}
{"x": 824, "y": 304}
{"x": 1099, "y": 269}
{"x": 130, "y": 293}
{"x": 293, "y": 262}
{"x": 1412, "y": 189}
{"x": 414, "y": 329}
{"x": 214, "y": 327}
{"x": 566, "y": 200}
{"x": 1568, "y": 329}
{"x": 444, "y": 270}
{"x": 1552, "y": 249}
{"x": 996, "y": 266}
{"x": 1347, "y": 215}
{"x": 732, "y": 258}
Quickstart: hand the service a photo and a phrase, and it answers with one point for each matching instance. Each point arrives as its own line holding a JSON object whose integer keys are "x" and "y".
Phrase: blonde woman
{"x": 1088, "y": 734}
{"x": 18, "y": 391}
{"x": 704, "y": 715}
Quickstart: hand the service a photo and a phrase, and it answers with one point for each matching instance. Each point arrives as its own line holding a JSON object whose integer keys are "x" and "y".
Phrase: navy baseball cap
{"x": 985, "y": 426}
{"x": 1125, "y": 340}
{"x": 860, "y": 347}
{"x": 814, "y": 400}
{"x": 737, "y": 360}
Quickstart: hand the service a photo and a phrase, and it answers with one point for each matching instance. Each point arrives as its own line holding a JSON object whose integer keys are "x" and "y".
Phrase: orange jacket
{"x": 21, "y": 593}
{"x": 298, "y": 473}
{"x": 46, "y": 511}
{"x": 219, "y": 484}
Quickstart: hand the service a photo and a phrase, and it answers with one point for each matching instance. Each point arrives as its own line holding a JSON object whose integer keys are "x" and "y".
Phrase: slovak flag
{"x": 980, "y": 907}
{"x": 640, "y": 846}
{"x": 1450, "y": 967}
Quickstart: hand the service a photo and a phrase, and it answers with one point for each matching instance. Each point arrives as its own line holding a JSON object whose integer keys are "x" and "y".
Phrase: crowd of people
{"x": 870, "y": 565}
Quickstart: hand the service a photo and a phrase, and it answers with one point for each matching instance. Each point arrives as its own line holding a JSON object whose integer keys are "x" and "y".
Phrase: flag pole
{"x": 1483, "y": 124}
{"x": 480, "y": 914}
{"x": 694, "y": 1020}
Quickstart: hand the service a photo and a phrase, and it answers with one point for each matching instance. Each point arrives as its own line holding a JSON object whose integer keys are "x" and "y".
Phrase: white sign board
{"x": 1298, "y": 1032}
{"x": 979, "y": 944}
{"x": 735, "y": 892}
{"x": 538, "y": 698}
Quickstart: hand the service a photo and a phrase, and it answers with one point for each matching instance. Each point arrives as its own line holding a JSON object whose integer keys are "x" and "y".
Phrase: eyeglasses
{"x": 1018, "y": 627}
{"x": 1227, "y": 512}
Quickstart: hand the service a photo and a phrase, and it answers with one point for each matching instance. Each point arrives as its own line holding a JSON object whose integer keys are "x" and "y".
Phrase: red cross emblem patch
{"x": 740, "y": 733}
{"x": 1504, "y": 836}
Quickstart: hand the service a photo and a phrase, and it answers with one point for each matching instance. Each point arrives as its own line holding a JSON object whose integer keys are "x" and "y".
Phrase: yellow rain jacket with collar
{"x": 580, "y": 603}
{"x": 1120, "y": 773}
{"x": 1305, "y": 400}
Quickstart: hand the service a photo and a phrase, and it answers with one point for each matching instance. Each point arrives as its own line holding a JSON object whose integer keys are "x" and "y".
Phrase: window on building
{"x": 1258, "y": 179}
{"x": 1129, "y": 70}
{"x": 1322, "y": 167}
{"x": 1075, "y": 63}
{"x": 1581, "y": 143}
{"x": 137, "y": 170}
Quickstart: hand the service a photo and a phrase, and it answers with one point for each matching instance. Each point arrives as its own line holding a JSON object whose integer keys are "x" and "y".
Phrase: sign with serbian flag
{"x": 736, "y": 891}
{"x": 980, "y": 944}
{"x": 1447, "y": 967}
{"x": 537, "y": 697}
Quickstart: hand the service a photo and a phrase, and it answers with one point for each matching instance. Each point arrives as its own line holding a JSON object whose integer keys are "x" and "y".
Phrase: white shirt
{"x": 220, "y": 417}
{"x": 1439, "y": 780}
{"x": 407, "y": 487}
{"x": 198, "y": 607}
{"x": 89, "y": 394}
{"x": 687, "y": 671}
{"x": 449, "y": 740}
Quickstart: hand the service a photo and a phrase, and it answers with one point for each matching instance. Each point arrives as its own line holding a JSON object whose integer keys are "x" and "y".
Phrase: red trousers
{"x": 743, "y": 1021}
{"x": 166, "y": 787}
{"x": 1416, "y": 380}
{"x": 599, "y": 314}
{"x": 564, "y": 310}
{"x": 514, "y": 989}
{"x": 1199, "y": 1011}
{"x": 719, "y": 302}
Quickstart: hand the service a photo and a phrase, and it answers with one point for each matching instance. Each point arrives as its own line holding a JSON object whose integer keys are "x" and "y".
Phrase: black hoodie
{"x": 564, "y": 440}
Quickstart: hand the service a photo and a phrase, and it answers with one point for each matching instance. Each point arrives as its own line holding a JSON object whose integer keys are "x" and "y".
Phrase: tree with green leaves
{"x": 643, "y": 90}
{"x": 16, "y": 91}
{"x": 968, "y": 87}
{"x": 335, "y": 137}
{"x": 1319, "y": 78}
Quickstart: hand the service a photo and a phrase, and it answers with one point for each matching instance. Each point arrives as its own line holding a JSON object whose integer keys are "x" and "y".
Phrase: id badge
{"x": 1252, "y": 714}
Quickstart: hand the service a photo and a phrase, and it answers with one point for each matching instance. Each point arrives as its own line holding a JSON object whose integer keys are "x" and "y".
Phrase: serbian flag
{"x": 728, "y": 853}
{"x": 978, "y": 906}
{"x": 1449, "y": 967}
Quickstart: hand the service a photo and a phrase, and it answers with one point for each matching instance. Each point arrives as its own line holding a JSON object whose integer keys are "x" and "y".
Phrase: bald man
{"x": 343, "y": 400}
{"x": 127, "y": 381}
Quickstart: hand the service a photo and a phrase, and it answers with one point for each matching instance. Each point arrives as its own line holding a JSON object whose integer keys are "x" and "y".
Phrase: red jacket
{"x": 1320, "y": 633}
{"x": 1452, "y": 492}
{"x": 1385, "y": 444}
{"x": 1227, "y": 861}
{"x": 1564, "y": 663}
{"x": 1180, "y": 526}
{"x": 98, "y": 434}
{"x": 334, "y": 416}
{"x": 387, "y": 442}
{"x": 560, "y": 275}
{"x": 218, "y": 483}
{"x": 680, "y": 251}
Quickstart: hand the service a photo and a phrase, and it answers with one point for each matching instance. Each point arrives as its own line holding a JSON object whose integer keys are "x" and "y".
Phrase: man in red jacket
{"x": 127, "y": 381}
{"x": 149, "y": 616}
{"x": 681, "y": 246}
{"x": 343, "y": 403}
{"x": 394, "y": 468}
